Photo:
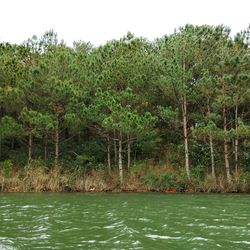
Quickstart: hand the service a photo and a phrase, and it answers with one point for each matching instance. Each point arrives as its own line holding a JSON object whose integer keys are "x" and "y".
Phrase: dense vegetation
{"x": 168, "y": 114}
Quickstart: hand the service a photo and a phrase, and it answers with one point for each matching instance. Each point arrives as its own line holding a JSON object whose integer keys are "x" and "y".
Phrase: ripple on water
{"x": 198, "y": 239}
{"x": 69, "y": 229}
{"x": 144, "y": 219}
{"x": 33, "y": 238}
{"x": 2, "y": 247}
{"x": 4, "y": 242}
{"x": 8, "y": 219}
{"x": 4, "y": 206}
{"x": 24, "y": 207}
{"x": 114, "y": 225}
{"x": 200, "y": 207}
{"x": 40, "y": 228}
{"x": 129, "y": 230}
{"x": 89, "y": 241}
{"x": 149, "y": 229}
{"x": 162, "y": 237}
{"x": 241, "y": 242}
{"x": 111, "y": 225}
{"x": 222, "y": 219}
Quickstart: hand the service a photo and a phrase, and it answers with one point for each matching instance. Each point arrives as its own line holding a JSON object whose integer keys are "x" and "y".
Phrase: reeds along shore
{"x": 154, "y": 178}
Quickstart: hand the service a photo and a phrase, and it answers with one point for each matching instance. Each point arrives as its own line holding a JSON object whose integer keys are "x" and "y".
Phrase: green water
{"x": 124, "y": 221}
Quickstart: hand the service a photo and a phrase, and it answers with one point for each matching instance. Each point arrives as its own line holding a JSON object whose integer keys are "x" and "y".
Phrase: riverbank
{"x": 136, "y": 179}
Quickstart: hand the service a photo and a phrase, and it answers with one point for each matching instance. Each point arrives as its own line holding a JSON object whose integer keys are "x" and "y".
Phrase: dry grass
{"x": 40, "y": 179}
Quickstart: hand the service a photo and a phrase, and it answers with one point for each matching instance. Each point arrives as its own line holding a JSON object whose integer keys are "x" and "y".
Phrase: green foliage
{"x": 183, "y": 182}
{"x": 199, "y": 154}
{"x": 160, "y": 182}
{"x": 9, "y": 127}
{"x": 198, "y": 172}
{"x": 78, "y": 103}
{"x": 84, "y": 161}
{"x": 6, "y": 168}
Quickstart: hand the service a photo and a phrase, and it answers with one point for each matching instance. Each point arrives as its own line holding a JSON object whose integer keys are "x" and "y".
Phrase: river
{"x": 124, "y": 221}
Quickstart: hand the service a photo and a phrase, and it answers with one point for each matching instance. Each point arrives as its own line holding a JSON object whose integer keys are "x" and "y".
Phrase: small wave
{"x": 144, "y": 219}
{"x": 214, "y": 233}
{"x": 41, "y": 218}
{"x": 241, "y": 242}
{"x": 40, "y": 228}
{"x": 220, "y": 219}
{"x": 223, "y": 227}
{"x": 2, "y": 247}
{"x": 125, "y": 204}
{"x": 198, "y": 239}
{"x": 27, "y": 206}
{"x": 70, "y": 229}
{"x": 233, "y": 227}
{"x": 190, "y": 224}
{"x": 88, "y": 241}
{"x": 4, "y": 206}
{"x": 49, "y": 206}
{"x": 137, "y": 242}
{"x": 35, "y": 237}
{"x": 149, "y": 229}
{"x": 163, "y": 237}
{"x": 114, "y": 225}
{"x": 202, "y": 225}
{"x": 8, "y": 219}
{"x": 212, "y": 226}
{"x": 129, "y": 230}
{"x": 5, "y": 244}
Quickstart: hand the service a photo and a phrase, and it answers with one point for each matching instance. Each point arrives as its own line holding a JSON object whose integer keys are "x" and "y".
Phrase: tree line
{"x": 181, "y": 99}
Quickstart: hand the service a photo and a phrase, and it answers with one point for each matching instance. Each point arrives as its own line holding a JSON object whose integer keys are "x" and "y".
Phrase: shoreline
{"x": 123, "y": 192}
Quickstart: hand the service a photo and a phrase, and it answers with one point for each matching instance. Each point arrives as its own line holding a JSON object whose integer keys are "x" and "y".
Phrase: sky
{"x": 98, "y": 21}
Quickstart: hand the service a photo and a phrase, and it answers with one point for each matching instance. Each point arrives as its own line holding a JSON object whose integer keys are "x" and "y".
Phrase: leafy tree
{"x": 179, "y": 63}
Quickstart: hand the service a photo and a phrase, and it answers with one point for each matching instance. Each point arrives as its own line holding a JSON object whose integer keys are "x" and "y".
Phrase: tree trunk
{"x": 120, "y": 159}
{"x": 236, "y": 144}
{"x": 30, "y": 145}
{"x": 184, "y": 116}
{"x": 0, "y": 148}
{"x": 211, "y": 144}
{"x": 108, "y": 152}
{"x": 57, "y": 145}
{"x": 1, "y": 115}
{"x": 226, "y": 160}
{"x": 129, "y": 152}
{"x": 115, "y": 148}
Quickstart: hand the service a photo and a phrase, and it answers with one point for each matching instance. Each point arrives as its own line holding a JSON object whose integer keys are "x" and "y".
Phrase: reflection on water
{"x": 124, "y": 221}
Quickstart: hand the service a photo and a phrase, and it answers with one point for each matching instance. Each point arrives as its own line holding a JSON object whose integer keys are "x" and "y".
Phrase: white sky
{"x": 100, "y": 20}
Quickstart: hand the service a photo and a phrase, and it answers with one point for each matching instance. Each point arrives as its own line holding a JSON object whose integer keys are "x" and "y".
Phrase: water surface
{"x": 124, "y": 221}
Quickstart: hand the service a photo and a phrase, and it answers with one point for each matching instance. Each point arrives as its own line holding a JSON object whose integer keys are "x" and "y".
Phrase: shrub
{"x": 163, "y": 181}
{"x": 198, "y": 172}
{"x": 182, "y": 183}
{"x": 7, "y": 166}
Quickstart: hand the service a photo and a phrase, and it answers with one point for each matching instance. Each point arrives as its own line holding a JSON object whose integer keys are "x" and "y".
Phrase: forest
{"x": 136, "y": 115}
